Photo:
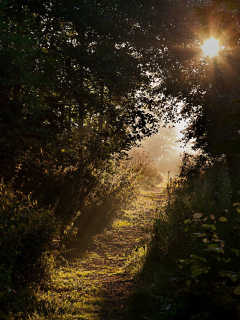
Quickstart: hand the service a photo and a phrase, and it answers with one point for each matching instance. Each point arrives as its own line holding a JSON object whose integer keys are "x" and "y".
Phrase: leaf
{"x": 217, "y": 250}
{"x": 213, "y": 245}
{"x": 236, "y": 204}
{"x": 237, "y": 290}
{"x": 186, "y": 221}
{"x": 234, "y": 277}
{"x": 212, "y": 217}
{"x": 223, "y": 219}
{"x": 209, "y": 226}
{"x": 197, "y": 269}
{"x": 197, "y": 215}
{"x": 197, "y": 257}
{"x": 198, "y": 235}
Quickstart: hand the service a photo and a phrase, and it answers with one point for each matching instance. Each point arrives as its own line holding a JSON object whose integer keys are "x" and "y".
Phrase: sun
{"x": 211, "y": 47}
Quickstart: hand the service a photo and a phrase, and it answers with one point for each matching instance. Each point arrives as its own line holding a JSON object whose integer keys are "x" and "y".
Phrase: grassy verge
{"x": 191, "y": 270}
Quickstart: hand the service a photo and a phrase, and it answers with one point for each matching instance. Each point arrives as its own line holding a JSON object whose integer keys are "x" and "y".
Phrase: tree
{"x": 67, "y": 66}
{"x": 221, "y": 19}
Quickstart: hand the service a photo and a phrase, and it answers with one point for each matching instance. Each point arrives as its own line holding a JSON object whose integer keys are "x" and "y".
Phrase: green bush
{"x": 26, "y": 231}
{"x": 192, "y": 270}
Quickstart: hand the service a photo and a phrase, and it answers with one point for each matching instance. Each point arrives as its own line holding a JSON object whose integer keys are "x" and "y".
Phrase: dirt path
{"x": 95, "y": 285}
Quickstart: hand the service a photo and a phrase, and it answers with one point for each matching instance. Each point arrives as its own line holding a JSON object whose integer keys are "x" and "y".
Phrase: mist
{"x": 164, "y": 149}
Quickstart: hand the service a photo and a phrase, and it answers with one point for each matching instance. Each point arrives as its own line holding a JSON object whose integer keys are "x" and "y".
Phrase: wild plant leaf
{"x": 217, "y": 250}
{"x": 213, "y": 245}
{"x": 222, "y": 244}
{"x": 194, "y": 256}
{"x": 197, "y": 215}
{"x": 209, "y": 226}
{"x": 234, "y": 277}
{"x": 212, "y": 217}
{"x": 223, "y": 219}
{"x": 197, "y": 269}
{"x": 236, "y": 204}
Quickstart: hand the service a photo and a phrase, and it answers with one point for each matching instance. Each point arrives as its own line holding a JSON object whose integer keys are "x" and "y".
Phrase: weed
{"x": 192, "y": 266}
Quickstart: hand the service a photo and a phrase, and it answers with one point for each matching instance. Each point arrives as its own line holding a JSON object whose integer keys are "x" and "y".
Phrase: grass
{"x": 97, "y": 278}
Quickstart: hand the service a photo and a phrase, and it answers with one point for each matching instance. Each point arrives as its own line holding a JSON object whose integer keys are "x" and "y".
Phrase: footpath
{"x": 96, "y": 282}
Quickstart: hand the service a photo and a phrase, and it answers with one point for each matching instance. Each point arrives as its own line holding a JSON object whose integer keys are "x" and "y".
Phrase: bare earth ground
{"x": 96, "y": 281}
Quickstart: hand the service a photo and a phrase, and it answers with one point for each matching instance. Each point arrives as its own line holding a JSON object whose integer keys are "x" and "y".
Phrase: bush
{"x": 192, "y": 267}
{"x": 26, "y": 231}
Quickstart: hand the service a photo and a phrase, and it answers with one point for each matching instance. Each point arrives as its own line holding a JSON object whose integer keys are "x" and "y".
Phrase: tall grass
{"x": 146, "y": 165}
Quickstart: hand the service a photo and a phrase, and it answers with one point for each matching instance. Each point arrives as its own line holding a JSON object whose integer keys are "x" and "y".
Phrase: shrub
{"x": 192, "y": 267}
{"x": 26, "y": 231}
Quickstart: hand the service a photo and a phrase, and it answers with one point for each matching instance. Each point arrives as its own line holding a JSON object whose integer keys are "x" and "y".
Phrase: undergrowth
{"x": 33, "y": 237}
{"x": 192, "y": 269}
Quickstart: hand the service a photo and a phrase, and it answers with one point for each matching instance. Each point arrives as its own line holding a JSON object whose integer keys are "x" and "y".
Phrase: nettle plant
{"x": 215, "y": 264}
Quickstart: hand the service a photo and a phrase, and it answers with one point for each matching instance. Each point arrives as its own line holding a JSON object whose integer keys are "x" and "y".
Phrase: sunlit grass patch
{"x": 80, "y": 303}
{"x": 81, "y": 289}
{"x": 92, "y": 255}
{"x": 136, "y": 260}
{"x": 117, "y": 224}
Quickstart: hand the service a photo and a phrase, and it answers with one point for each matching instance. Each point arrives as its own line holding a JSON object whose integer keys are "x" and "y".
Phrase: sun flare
{"x": 211, "y": 47}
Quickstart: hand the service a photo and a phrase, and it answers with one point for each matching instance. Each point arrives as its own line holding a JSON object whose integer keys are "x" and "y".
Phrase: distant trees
{"x": 164, "y": 147}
